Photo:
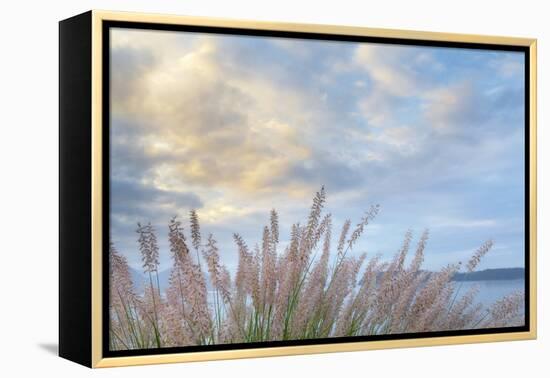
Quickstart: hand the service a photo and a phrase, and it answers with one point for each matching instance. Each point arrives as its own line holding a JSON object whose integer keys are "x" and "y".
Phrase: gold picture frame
{"x": 84, "y": 273}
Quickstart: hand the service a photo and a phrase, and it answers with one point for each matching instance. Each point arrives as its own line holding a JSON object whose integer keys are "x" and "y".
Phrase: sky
{"x": 234, "y": 126}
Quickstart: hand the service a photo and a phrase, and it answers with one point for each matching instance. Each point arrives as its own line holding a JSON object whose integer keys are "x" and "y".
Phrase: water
{"x": 491, "y": 291}
{"x": 488, "y": 291}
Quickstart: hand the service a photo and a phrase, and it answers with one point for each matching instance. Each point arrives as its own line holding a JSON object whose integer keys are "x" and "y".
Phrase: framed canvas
{"x": 235, "y": 189}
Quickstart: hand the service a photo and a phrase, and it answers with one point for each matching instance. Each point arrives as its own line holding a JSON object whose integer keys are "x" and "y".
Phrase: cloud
{"x": 135, "y": 199}
{"x": 384, "y": 63}
{"x": 439, "y": 222}
{"x": 465, "y": 110}
{"x": 128, "y": 63}
{"x": 212, "y": 125}
{"x": 237, "y": 125}
{"x": 450, "y": 109}
{"x": 390, "y": 83}
{"x": 134, "y": 202}
{"x": 509, "y": 64}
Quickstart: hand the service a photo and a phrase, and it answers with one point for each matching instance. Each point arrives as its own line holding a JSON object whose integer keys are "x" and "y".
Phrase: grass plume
{"x": 291, "y": 293}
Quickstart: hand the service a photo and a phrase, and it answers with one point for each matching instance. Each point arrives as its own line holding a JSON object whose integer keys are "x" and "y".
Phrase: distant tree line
{"x": 491, "y": 274}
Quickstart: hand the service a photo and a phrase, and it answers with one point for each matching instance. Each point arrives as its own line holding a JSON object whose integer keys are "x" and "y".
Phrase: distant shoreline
{"x": 500, "y": 274}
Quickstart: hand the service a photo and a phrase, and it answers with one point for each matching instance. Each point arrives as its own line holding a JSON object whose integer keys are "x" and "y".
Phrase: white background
{"x": 29, "y": 189}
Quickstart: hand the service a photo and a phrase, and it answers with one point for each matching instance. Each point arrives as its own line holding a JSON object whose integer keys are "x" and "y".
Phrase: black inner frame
{"x": 107, "y": 25}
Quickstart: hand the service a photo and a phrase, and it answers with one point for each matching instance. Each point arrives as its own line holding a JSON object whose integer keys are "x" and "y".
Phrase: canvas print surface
{"x": 266, "y": 189}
